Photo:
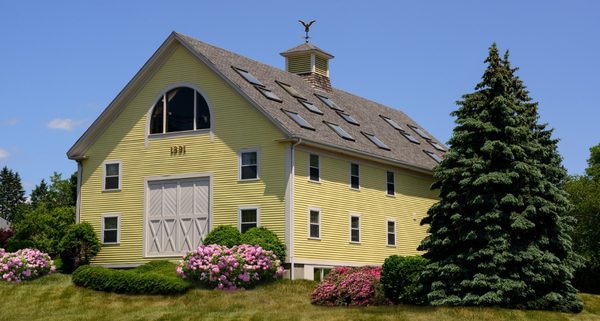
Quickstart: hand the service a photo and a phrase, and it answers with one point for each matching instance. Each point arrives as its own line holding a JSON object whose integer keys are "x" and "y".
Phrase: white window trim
{"x": 249, "y": 207}
{"x": 319, "y": 167}
{"x": 314, "y": 209}
{"x": 248, "y": 150}
{"x": 111, "y": 215}
{"x": 395, "y": 232}
{"x": 120, "y": 163}
{"x": 350, "y": 176}
{"x": 359, "y": 228}
{"x": 393, "y": 183}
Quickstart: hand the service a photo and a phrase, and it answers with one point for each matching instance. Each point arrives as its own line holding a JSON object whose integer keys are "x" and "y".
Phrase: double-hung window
{"x": 314, "y": 224}
{"x": 314, "y": 168}
{"x": 354, "y": 176}
{"x": 248, "y": 164}
{"x": 390, "y": 184}
{"x": 354, "y": 228}
{"x": 391, "y": 233}
{"x": 110, "y": 229}
{"x": 112, "y": 176}
{"x": 248, "y": 218}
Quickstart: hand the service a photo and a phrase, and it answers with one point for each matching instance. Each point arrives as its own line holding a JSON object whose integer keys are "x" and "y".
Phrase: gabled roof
{"x": 368, "y": 113}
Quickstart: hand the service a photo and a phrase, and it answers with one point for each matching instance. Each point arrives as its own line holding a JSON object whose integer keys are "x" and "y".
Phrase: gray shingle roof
{"x": 365, "y": 111}
{"x": 306, "y": 47}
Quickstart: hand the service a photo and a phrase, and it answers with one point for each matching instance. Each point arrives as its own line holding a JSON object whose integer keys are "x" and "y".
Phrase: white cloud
{"x": 11, "y": 122}
{"x": 3, "y": 153}
{"x": 64, "y": 124}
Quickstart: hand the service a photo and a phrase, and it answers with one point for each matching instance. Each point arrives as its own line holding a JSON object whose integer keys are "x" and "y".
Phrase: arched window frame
{"x": 179, "y": 133}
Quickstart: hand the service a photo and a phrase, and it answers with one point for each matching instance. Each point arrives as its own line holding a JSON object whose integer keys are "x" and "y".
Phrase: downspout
{"x": 78, "y": 201}
{"x": 292, "y": 174}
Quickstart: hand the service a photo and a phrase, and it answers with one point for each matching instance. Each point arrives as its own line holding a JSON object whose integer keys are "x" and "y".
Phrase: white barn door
{"x": 177, "y": 215}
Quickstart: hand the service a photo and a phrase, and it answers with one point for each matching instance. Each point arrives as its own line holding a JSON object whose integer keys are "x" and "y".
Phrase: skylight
{"x": 329, "y": 102}
{"x": 290, "y": 90}
{"x": 310, "y": 107}
{"x": 392, "y": 123}
{"x": 434, "y": 156}
{"x": 248, "y": 76}
{"x": 340, "y": 131}
{"x": 349, "y": 118}
{"x": 298, "y": 119}
{"x": 419, "y": 131}
{"x": 376, "y": 141}
{"x": 410, "y": 137}
{"x": 269, "y": 94}
{"x": 437, "y": 146}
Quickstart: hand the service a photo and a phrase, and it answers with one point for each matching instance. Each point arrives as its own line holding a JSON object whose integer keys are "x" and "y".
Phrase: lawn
{"x": 56, "y": 298}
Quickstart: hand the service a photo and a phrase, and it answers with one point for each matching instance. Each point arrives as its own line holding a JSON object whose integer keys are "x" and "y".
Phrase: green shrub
{"x": 151, "y": 278}
{"x": 266, "y": 239}
{"x": 400, "y": 279}
{"x": 79, "y": 245}
{"x": 14, "y": 245}
{"x": 224, "y": 235}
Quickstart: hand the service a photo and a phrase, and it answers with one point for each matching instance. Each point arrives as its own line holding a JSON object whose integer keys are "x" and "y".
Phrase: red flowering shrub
{"x": 350, "y": 286}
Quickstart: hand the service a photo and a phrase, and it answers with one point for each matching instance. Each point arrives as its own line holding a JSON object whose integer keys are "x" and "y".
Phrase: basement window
{"x": 410, "y": 137}
{"x": 290, "y": 90}
{"x": 310, "y": 106}
{"x": 340, "y": 131}
{"x": 392, "y": 123}
{"x": 437, "y": 146}
{"x": 298, "y": 119}
{"x": 419, "y": 131}
{"x": 268, "y": 93}
{"x": 433, "y": 155}
{"x": 349, "y": 118}
{"x": 248, "y": 76}
{"x": 376, "y": 141}
{"x": 329, "y": 102}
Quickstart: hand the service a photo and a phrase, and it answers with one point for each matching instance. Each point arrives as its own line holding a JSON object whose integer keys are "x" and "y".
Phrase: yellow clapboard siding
{"x": 336, "y": 200}
{"x": 236, "y": 125}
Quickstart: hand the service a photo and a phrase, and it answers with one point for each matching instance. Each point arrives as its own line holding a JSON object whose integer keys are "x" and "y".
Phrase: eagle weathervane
{"x": 306, "y": 28}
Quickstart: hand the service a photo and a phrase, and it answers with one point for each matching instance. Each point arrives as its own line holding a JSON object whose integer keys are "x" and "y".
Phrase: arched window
{"x": 185, "y": 110}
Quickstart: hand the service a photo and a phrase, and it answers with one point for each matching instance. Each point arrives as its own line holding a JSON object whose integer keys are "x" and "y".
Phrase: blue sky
{"x": 63, "y": 62}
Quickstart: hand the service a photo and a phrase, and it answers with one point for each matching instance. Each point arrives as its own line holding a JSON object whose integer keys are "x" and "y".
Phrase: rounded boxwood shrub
{"x": 226, "y": 235}
{"x": 266, "y": 239}
{"x": 400, "y": 279}
{"x": 151, "y": 278}
{"x": 14, "y": 245}
{"x": 78, "y": 246}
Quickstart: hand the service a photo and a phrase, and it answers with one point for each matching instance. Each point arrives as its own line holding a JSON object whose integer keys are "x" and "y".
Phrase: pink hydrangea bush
{"x": 358, "y": 286}
{"x": 220, "y": 267}
{"x": 25, "y": 264}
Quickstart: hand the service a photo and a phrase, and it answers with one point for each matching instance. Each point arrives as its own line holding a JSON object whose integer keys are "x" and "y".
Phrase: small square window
{"x": 110, "y": 229}
{"x": 310, "y": 106}
{"x": 298, "y": 119}
{"x": 419, "y": 131}
{"x": 248, "y": 76}
{"x": 392, "y": 123}
{"x": 340, "y": 131}
{"x": 349, "y": 118}
{"x": 378, "y": 142}
{"x": 433, "y": 155}
{"x": 437, "y": 146}
{"x": 249, "y": 165}
{"x": 354, "y": 176}
{"x": 410, "y": 137}
{"x": 314, "y": 167}
{"x": 329, "y": 103}
{"x": 290, "y": 90}
{"x": 248, "y": 219}
{"x": 112, "y": 176}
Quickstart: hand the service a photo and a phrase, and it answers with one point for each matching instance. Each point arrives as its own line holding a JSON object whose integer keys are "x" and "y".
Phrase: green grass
{"x": 56, "y": 298}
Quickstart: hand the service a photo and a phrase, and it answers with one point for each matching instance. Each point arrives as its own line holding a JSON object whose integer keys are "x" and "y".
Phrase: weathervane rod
{"x": 306, "y": 28}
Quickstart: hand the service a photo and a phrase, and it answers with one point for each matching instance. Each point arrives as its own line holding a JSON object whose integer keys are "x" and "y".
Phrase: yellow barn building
{"x": 203, "y": 137}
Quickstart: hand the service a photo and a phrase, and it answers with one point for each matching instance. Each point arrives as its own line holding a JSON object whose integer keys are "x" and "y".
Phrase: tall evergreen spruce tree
{"x": 499, "y": 234}
{"x": 12, "y": 195}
